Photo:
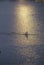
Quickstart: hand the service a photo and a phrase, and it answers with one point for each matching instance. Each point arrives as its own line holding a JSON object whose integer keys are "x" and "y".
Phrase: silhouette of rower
{"x": 26, "y": 34}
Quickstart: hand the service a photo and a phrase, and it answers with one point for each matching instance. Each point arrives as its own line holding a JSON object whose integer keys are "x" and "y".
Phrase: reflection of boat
{"x": 14, "y": 33}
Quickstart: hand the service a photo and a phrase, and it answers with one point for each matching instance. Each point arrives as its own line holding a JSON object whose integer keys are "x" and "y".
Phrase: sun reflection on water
{"x": 25, "y": 20}
{"x": 26, "y": 23}
{"x": 22, "y": 18}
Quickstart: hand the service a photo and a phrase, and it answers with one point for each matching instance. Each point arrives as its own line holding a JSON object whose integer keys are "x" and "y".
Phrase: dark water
{"x": 16, "y": 18}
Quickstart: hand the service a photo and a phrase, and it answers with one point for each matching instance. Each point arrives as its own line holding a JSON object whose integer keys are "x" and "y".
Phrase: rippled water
{"x": 17, "y": 18}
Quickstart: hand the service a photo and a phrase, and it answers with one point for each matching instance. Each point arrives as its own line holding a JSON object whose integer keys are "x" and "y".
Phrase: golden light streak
{"x": 26, "y": 23}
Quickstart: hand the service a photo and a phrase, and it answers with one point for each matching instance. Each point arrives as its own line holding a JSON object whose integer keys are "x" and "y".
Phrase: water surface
{"x": 16, "y": 18}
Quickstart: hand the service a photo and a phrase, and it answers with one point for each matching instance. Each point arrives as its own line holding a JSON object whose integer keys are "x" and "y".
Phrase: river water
{"x": 17, "y": 18}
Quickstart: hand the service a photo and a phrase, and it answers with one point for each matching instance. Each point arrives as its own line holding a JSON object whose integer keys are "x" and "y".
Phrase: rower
{"x": 26, "y": 34}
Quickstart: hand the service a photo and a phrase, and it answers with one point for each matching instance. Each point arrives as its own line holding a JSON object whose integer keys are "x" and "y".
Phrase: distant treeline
{"x": 1, "y": 0}
{"x": 25, "y": 0}
{"x": 8, "y": 0}
{"x": 16, "y": 0}
{"x": 13, "y": 0}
